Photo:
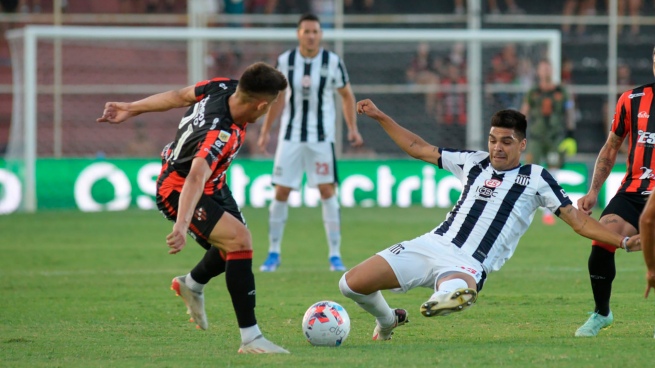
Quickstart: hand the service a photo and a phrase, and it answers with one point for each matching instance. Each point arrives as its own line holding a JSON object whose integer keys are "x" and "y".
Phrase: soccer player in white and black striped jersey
{"x": 480, "y": 233}
{"x": 307, "y": 133}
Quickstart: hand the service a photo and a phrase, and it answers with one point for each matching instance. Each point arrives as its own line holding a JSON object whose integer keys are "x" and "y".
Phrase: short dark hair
{"x": 511, "y": 119}
{"x": 261, "y": 79}
{"x": 308, "y": 16}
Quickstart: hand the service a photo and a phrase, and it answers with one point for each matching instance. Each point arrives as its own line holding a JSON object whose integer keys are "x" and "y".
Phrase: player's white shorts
{"x": 420, "y": 261}
{"x": 316, "y": 159}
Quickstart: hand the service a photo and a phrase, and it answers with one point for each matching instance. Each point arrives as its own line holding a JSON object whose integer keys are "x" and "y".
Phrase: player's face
{"x": 309, "y": 36}
{"x": 544, "y": 70}
{"x": 505, "y": 148}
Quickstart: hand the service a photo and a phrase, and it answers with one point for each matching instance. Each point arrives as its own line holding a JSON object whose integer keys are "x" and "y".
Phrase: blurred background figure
{"x": 580, "y": 7}
{"x": 549, "y": 109}
{"x": 421, "y": 72}
{"x": 492, "y": 7}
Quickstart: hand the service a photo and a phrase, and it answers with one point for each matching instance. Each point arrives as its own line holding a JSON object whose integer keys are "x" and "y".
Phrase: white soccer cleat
{"x": 384, "y": 333}
{"x": 259, "y": 345}
{"x": 443, "y": 304}
{"x": 195, "y": 302}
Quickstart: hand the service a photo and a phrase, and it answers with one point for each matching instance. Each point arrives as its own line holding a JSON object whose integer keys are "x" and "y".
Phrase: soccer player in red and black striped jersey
{"x": 634, "y": 119}
{"x": 191, "y": 188}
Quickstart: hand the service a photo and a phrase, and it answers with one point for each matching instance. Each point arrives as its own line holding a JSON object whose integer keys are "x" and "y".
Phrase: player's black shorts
{"x": 208, "y": 212}
{"x": 628, "y": 206}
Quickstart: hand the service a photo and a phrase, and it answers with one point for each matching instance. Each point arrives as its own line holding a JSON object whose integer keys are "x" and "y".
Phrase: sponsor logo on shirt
{"x": 643, "y": 115}
{"x": 633, "y": 95}
{"x": 646, "y": 137}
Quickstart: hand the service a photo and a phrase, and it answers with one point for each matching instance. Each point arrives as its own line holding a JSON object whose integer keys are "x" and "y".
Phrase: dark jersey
{"x": 207, "y": 131}
{"x": 634, "y": 118}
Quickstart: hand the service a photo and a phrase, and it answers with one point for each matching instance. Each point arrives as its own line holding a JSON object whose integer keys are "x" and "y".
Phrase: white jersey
{"x": 309, "y": 113}
{"x": 496, "y": 207}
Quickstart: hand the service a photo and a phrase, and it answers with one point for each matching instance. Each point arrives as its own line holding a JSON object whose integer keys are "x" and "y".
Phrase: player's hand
{"x": 650, "y": 282}
{"x": 368, "y": 108}
{"x": 634, "y": 243}
{"x": 355, "y": 138}
{"x": 115, "y": 113}
{"x": 176, "y": 240}
{"x": 587, "y": 202}
{"x": 262, "y": 141}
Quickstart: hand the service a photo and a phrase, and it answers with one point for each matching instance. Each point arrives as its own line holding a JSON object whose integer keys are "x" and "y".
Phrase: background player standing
{"x": 549, "y": 110}
{"x": 633, "y": 118}
{"x": 307, "y": 134}
{"x": 191, "y": 188}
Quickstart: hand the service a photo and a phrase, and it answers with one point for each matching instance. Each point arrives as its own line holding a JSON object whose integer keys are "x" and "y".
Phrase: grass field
{"x": 92, "y": 290}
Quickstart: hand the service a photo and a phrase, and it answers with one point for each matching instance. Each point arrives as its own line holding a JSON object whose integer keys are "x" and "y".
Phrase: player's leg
{"x": 321, "y": 169}
{"x": 190, "y": 288}
{"x": 233, "y": 238}
{"x": 363, "y": 283}
{"x": 212, "y": 263}
{"x": 287, "y": 175}
{"x": 622, "y": 216}
{"x": 455, "y": 292}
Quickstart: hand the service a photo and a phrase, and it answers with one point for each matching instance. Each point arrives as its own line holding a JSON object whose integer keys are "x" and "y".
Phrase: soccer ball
{"x": 326, "y": 323}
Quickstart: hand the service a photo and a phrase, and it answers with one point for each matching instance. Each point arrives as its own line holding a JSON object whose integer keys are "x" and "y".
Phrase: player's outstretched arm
{"x": 409, "y": 142}
{"x": 192, "y": 189}
{"x": 592, "y": 229}
{"x": 602, "y": 169}
{"x": 118, "y": 112}
{"x": 647, "y": 230}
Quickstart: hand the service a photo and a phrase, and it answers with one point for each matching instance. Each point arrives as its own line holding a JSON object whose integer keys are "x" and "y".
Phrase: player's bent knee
{"x": 345, "y": 288}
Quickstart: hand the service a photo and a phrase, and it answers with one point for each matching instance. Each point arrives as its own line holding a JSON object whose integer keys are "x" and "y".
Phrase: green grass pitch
{"x": 92, "y": 290}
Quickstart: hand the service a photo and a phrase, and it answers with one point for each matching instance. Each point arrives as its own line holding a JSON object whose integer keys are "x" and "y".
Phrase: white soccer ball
{"x": 326, "y": 323}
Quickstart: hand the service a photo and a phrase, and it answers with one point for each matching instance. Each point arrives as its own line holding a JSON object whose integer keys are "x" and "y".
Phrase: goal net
{"x": 64, "y": 75}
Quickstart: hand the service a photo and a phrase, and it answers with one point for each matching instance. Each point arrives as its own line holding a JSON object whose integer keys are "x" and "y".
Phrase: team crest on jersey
{"x": 200, "y": 214}
{"x": 523, "y": 180}
{"x": 223, "y": 136}
{"x": 492, "y": 183}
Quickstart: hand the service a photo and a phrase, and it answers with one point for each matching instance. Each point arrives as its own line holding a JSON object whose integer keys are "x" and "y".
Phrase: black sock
{"x": 211, "y": 265}
{"x": 602, "y": 270}
{"x": 241, "y": 285}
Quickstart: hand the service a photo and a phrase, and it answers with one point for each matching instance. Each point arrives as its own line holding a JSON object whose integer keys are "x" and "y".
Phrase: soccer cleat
{"x": 336, "y": 264}
{"x": 594, "y": 324}
{"x": 384, "y": 333}
{"x": 441, "y": 304}
{"x": 195, "y": 302}
{"x": 259, "y": 345}
{"x": 271, "y": 263}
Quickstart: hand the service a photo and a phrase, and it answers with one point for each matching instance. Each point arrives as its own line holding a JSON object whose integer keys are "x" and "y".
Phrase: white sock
{"x": 278, "y": 212}
{"x": 332, "y": 222}
{"x": 373, "y": 303}
{"x": 249, "y": 333}
{"x": 452, "y": 285}
{"x": 193, "y": 284}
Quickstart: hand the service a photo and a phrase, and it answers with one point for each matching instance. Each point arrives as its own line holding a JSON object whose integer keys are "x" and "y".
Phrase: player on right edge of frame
{"x": 634, "y": 118}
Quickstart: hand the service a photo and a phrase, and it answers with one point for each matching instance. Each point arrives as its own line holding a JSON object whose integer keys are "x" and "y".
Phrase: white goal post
{"x": 26, "y": 86}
